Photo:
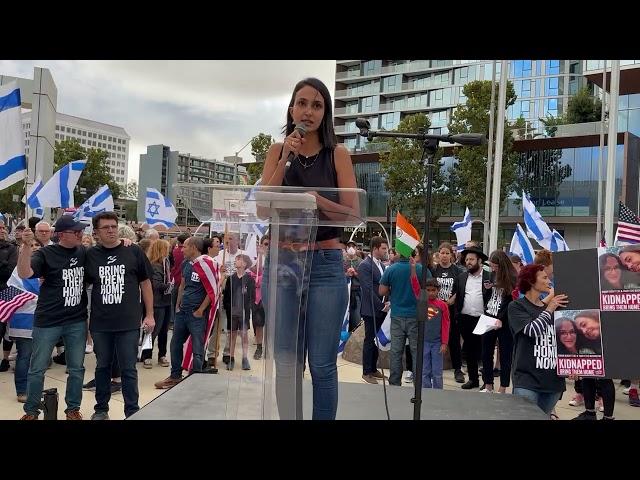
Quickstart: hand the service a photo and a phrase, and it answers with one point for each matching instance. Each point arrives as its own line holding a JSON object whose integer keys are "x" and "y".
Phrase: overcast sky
{"x": 207, "y": 108}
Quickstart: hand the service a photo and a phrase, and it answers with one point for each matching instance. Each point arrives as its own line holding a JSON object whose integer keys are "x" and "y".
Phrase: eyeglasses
{"x": 611, "y": 269}
{"x": 108, "y": 227}
{"x": 43, "y": 231}
{"x": 567, "y": 332}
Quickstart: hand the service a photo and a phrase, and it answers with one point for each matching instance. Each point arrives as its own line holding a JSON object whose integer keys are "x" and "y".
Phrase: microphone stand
{"x": 429, "y": 148}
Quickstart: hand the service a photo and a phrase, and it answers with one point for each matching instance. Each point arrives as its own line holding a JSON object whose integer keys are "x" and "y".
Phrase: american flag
{"x": 208, "y": 273}
{"x": 628, "y": 226}
{"x": 11, "y": 299}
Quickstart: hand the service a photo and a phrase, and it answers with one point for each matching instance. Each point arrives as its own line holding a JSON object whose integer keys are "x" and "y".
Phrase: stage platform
{"x": 224, "y": 397}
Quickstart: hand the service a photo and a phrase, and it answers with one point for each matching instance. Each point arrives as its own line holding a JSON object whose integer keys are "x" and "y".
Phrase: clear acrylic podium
{"x": 291, "y": 216}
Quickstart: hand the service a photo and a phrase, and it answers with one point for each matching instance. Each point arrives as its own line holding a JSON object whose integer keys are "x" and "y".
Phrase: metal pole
{"x": 497, "y": 172}
{"x": 612, "y": 142}
{"x": 600, "y": 154}
{"x": 487, "y": 204}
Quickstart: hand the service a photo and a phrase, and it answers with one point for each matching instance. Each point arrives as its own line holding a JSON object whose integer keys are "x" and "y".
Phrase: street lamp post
{"x": 236, "y": 161}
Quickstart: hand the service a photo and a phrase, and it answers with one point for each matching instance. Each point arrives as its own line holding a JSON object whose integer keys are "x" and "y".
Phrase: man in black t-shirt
{"x": 61, "y": 311}
{"x": 118, "y": 274}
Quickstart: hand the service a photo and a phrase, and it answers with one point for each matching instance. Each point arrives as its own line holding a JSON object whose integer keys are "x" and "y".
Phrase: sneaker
{"x": 167, "y": 383}
{"x": 459, "y": 376}
{"x": 258, "y": 354}
{"x": 60, "y": 359}
{"x": 4, "y": 365}
{"x": 577, "y": 400}
{"x": 22, "y": 397}
{"x": 370, "y": 379}
{"x": 90, "y": 386}
{"x": 586, "y": 416}
{"x": 163, "y": 362}
{"x": 116, "y": 387}
{"x": 245, "y": 364}
{"x": 225, "y": 359}
{"x": 231, "y": 363}
{"x": 100, "y": 416}
{"x": 408, "y": 377}
{"x": 74, "y": 415}
{"x": 147, "y": 363}
{"x": 486, "y": 390}
{"x": 600, "y": 405}
{"x": 28, "y": 416}
{"x": 470, "y": 384}
{"x": 88, "y": 349}
{"x": 634, "y": 401}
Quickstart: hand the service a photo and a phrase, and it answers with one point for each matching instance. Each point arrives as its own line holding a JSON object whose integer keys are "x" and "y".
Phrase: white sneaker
{"x": 88, "y": 348}
{"x": 626, "y": 390}
{"x": 408, "y": 377}
{"x": 486, "y": 390}
{"x": 576, "y": 401}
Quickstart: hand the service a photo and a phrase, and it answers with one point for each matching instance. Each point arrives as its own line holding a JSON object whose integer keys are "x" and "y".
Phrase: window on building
{"x": 553, "y": 67}
{"x": 552, "y": 86}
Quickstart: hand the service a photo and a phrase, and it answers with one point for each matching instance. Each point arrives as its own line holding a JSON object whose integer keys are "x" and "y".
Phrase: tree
{"x": 260, "y": 145}
{"x": 467, "y": 178}
{"x": 131, "y": 212}
{"x": 132, "y": 190}
{"x": 551, "y": 124}
{"x": 95, "y": 174}
{"x": 583, "y": 107}
{"x": 405, "y": 175}
{"x": 7, "y": 202}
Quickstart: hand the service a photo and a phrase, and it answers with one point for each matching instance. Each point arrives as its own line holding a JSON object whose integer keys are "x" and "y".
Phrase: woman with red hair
{"x": 534, "y": 352}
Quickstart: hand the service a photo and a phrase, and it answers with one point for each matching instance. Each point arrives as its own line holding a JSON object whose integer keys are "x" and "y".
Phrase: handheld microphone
{"x": 302, "y": 130}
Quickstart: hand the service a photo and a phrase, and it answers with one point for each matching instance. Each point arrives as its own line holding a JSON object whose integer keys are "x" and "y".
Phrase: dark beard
{"x": 474, "y": 269}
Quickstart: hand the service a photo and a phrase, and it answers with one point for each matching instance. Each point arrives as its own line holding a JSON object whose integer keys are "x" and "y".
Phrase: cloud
{"x": 206, "y": 108}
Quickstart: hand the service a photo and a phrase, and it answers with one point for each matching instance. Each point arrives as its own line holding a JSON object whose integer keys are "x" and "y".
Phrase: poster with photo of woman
{"x": 579, "y": 343}
{"x": 619, "y": 271}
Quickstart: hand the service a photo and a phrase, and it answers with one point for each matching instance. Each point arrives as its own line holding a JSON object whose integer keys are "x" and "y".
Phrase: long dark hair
{"x": 506, "y": 274}
{"x": 326, "y": 133}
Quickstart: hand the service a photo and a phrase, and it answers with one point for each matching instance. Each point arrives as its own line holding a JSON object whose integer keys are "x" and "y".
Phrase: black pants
{"x": 369, "y": 347}
{"x": 505, "y": 347}
{"x": 472, "y": 345}
{"x": 161, "y": 315}
{"x": 607, "y": 392}
{"x": 408, "y": 358}
{"x": 454, "y": 341}
{"x": 7, "y": 345}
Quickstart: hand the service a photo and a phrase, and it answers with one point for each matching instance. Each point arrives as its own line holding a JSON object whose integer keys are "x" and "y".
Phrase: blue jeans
{"x": 432, "y": 365}
{"x": 44, "y": 339}
{"x": 401, "y": 329}
{"x": 24, "y": 346}
{"x": 309, "y": 317}
{"x": 125, "y": 346}
{"x": 545, "y": 400}
{"x": 186, "y": 324}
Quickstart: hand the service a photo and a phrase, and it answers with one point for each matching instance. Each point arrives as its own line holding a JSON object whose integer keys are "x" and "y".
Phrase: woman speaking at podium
{"x": 310, "y": 157}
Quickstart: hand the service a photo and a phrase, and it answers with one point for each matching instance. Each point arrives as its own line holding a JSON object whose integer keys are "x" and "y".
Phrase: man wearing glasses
{"x": 43, "y": 233}
{"x": 118, "y": 275}
{"x": 61, "y": 310}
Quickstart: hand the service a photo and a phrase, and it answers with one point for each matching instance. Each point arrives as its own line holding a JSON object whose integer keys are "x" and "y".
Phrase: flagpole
{"x": 487, "y": 201}
{"x": 600, "y": 154}
{"x": 612, "y": 143}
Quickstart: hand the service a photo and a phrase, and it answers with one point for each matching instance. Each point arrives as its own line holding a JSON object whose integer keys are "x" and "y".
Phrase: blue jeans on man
{"x": 401, "y": 329}
{"x": 125, "y": 346}
{"x": 44, "y": 339}
{"x": 186, "y": 324}
{"x": 545, "y": 400}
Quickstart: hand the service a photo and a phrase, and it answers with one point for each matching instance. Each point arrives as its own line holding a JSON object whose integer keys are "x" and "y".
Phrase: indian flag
{"x": 406, "y": 236}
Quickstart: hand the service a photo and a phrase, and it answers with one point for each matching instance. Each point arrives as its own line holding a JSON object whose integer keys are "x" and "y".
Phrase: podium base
{"x": 204, "y": 397}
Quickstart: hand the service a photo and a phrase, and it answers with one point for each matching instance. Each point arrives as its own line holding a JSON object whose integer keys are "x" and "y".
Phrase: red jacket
{"x": 444, "y": 308}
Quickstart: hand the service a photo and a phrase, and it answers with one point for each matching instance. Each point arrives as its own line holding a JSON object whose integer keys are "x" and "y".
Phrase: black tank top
{"x": 320, "y": 173}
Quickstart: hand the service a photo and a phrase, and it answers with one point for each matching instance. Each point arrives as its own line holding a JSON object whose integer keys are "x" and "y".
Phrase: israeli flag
{"x": 463, "y": 229}
{"x": 344, "y": 330}
{"x": 558, "y": 243}
{"x": 58, "y": 191}
{"x": 537, "y": 228}
{"x": 158, "y": 209}
{"x": 521, "y": 246}
{"x": 31, "y": 194}
{"x": 13, "y": 161}
{"x": 384, "y": 334}
{"x": 21, "y": 322}
{"x": 260, "y": 229}
{"x": 101, "y": 201}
